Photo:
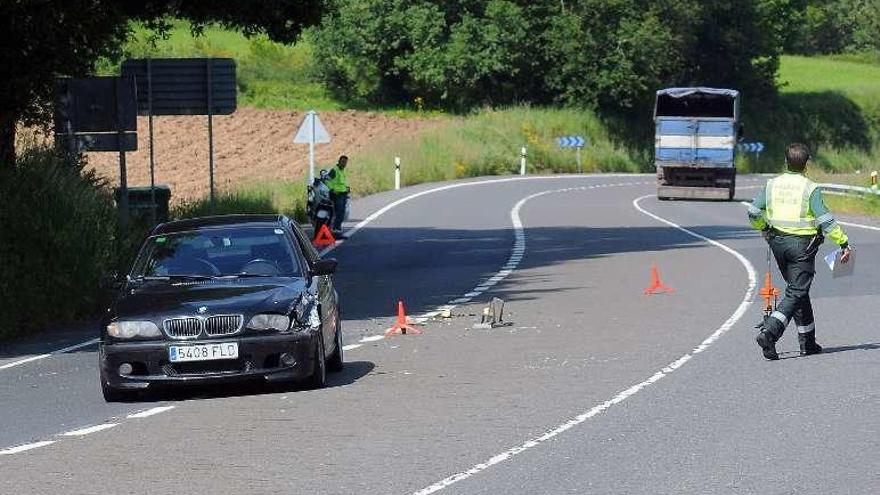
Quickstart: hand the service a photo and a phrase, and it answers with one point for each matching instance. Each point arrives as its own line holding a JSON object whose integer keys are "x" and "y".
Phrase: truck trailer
{"x": 696, "y": 132}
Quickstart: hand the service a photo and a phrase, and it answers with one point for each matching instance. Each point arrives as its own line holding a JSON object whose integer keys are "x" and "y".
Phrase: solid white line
{"x": 372, "y": 338}
{"x": 150, "y": 412}
{"x": 23, "y": 361}
{"x": 351, "y": 346}
{"x": 44, "y": 356}
{"x": 26, "y": 447}
{"x": 91, "y": 429}
{"x": 623, "y": 395}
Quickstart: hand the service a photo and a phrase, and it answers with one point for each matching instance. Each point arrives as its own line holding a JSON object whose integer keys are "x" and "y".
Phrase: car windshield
{"x": 220, "y": 252}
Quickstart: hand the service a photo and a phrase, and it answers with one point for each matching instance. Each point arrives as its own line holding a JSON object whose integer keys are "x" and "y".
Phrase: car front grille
{"x": 223, "y": 324}
{"x": 207, "y": 368}
{"x": 183, "y": 328}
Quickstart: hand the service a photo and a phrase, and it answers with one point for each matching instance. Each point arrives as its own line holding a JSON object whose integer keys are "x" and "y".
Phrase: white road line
{"x": 44, "y": 356}
{"x": 91, "y": 429}
{"x": 23, "y": 361}
{"x": 26, "y": 447}
{"x": 372, "y": 338}
{"x": 149, "y": 412}
{"x": 629, "y": 392}
{"x": 351, "y": 346}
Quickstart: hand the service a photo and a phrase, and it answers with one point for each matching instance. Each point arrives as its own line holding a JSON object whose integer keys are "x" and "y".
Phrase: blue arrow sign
{"x": 751, "y": 147}
{"x": 571, "y": 141}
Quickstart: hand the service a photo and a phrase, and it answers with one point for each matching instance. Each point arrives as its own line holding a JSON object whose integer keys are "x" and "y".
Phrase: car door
{"x": 321, "y": 286}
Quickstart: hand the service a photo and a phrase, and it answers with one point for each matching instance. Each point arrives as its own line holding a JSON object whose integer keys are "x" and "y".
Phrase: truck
{"x": 696, "y": 132}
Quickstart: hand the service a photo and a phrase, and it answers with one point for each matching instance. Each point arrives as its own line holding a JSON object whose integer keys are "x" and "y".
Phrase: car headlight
{"x": 132, "y": 329}
{"x": 307, "y": 314}
{"x": 280, "y": 323}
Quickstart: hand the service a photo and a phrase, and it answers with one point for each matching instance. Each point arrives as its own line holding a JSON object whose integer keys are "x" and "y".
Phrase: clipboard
{"x": 839, "y": 269}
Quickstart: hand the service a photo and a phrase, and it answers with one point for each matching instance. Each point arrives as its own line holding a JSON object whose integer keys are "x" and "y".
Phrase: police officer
{"x": 793, "y": 218}
{"x": 339, "y": 191}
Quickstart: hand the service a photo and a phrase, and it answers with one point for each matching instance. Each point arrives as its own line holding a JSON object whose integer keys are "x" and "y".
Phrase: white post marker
{"x": 396, "y": 173}
{"x": 311, "y": 131}
{"x": 874, "y": 180}
{"x": 522, "y": 161}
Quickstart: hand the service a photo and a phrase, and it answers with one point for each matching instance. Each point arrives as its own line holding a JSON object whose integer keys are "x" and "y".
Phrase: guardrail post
{"x": 522, "y": 161}
{"x": 396, "y": 173}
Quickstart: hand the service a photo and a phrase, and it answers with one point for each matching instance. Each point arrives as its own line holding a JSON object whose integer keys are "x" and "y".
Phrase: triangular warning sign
{"x": 311, "y": 130}
{"x": 324, "y": 237}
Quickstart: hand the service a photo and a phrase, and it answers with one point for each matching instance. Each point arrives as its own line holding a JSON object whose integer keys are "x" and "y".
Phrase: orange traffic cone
{"x": 769, "y": 293}
{"x": 324, "y": 237}
{"x": 656, "y": 285}
{"x": 402, "y": 325}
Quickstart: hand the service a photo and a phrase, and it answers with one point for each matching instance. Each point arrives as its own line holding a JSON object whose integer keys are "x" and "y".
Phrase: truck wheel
{"x": 732, "y": 189}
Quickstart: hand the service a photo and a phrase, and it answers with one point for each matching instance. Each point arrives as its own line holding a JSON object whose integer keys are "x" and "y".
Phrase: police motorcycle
{"x": 319, "y": 205}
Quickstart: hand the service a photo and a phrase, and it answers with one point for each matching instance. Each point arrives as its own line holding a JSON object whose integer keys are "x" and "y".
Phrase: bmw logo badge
{"x": 203, "y": 310}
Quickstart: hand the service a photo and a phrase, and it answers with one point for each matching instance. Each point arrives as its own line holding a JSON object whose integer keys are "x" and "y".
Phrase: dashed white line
{"x": 372, "y": 338}
{"x": 26, "y": 447}
{"x": 351, "y": 346}
{"x": 91, "y": 429}
{"x": 149, "y": 412}
{"x": 629, "y": 392}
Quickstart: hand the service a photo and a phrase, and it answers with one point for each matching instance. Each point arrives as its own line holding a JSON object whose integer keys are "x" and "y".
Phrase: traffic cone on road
{"x": 656, "y": 285}
{"x": 324, "y": 237}
{"x": 769, "y": 293}
{"x": 402, "y": 324}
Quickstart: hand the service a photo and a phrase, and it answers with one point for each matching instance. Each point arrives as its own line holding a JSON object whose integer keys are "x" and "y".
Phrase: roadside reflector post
{"x": 578, "y": 156}
{"x": 396, "y": 172}
{"x": 874, "y": 180}
{"x": 522, "y": 161}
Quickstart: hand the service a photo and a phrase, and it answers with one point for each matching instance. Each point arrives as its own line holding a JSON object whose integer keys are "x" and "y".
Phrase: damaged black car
{"x": 237, "y": 297}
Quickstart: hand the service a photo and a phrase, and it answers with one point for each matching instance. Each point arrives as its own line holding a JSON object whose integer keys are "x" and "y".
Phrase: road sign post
{"x": 311, "y": 131}
{"x": 576, "y": 142}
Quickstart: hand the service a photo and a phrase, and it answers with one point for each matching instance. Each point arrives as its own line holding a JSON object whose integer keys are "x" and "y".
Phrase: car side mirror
{"x": 111, "y": 281}
{"x": 325, "y": 267}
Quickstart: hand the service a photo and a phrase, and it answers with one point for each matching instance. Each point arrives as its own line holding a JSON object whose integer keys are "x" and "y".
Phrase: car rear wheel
{"x": 335, "y": 363}
{"x": 319, "y": 374}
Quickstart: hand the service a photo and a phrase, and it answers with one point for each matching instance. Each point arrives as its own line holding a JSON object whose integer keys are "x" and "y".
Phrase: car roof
{"x": 218, "y": 221}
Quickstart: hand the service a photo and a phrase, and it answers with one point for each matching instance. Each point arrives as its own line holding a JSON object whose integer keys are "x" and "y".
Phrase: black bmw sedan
{"x": 222, "y": 298}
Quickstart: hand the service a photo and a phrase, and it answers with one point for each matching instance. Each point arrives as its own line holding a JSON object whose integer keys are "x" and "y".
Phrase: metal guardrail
{"x": 842, "y": 190}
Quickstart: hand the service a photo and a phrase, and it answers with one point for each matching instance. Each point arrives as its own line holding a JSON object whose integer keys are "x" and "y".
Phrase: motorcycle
{"x": 319, "y": 205}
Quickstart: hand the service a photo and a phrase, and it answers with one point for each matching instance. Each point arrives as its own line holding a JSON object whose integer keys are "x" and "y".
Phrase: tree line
{"x": 609, "y": 55}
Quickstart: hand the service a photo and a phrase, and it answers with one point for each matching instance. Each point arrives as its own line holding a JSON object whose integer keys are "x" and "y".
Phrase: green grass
{"x": 270, "y": 75}
{"x": 855, "y": 205}
{"x": 287, "y": 198}
{"x": 488, "y": 143}
{"x": 855, "y": 77}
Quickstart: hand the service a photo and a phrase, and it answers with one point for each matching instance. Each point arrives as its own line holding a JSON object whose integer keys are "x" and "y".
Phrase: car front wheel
{"x": 336, "y": 363}
{"x": 319, "y": 373}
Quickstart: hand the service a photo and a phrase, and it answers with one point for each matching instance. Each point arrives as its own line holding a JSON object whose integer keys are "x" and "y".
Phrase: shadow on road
{"x": 353, "y": 371}
{"x": 858, "y": 347}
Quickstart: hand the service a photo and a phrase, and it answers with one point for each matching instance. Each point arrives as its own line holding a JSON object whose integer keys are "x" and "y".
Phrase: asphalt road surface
{"x": 592, "y": 387}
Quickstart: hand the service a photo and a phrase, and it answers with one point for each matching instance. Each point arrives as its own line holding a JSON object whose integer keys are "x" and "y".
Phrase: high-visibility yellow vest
{"x": 788, "y": 204}
{"x": 338, "y": 184}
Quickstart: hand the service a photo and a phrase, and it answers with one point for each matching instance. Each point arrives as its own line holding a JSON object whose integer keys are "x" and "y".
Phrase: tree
{"x": 44, "y": 39}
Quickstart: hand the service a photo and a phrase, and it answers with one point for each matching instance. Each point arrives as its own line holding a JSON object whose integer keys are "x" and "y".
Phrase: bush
{"x": 59, "y": 238}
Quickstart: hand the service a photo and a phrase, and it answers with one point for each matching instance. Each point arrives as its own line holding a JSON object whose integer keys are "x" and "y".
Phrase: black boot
{"x": 767, "y": 337}
{"x": 808, "y": 343}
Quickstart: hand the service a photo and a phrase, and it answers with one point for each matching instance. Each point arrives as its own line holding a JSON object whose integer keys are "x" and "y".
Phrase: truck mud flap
{"x": 681, "y": 192}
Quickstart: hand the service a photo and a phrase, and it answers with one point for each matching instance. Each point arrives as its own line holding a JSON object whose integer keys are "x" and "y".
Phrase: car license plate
{"x": 203, "y": 352}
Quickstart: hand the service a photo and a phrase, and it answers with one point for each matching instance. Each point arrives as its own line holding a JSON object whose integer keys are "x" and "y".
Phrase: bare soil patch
{"x": 251, "y": 145}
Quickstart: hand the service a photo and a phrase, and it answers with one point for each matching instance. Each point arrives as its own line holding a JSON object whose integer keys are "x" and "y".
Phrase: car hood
{"x": 162, "y": 299}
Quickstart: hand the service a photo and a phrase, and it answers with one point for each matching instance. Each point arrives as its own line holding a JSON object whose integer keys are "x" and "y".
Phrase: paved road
{"x": 594, "y": 388}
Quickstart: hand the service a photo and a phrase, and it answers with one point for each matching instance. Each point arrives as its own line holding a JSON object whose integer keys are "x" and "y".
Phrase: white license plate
{"x": 203, "y": 352}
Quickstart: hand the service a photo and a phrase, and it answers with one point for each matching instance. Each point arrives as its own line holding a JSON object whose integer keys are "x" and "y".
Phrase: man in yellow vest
{"x": 792, "y": 215}
{"x": 339, "y": 191}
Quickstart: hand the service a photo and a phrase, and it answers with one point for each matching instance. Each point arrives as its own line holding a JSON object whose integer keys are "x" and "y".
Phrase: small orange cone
{"x": 402, "y": 325}
{"x": 324, "y": 237}
{"x": 656, "y": 285}
{"x": 768, "y": 292}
